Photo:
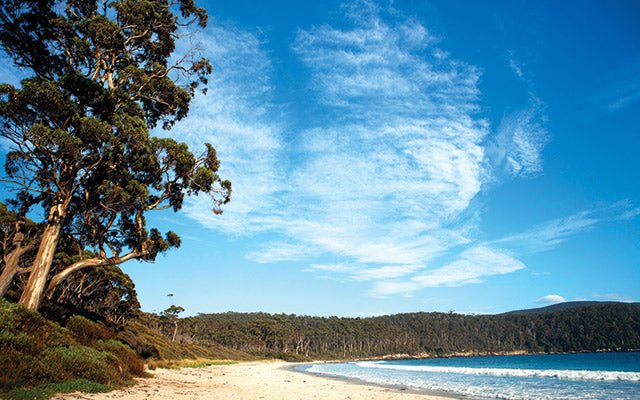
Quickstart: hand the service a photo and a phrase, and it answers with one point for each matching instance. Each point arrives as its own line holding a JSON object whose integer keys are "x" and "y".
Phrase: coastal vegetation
{"x": 581, "y": 328}
{"x": 37, "y": 353}
{"x": 59, "y": 350}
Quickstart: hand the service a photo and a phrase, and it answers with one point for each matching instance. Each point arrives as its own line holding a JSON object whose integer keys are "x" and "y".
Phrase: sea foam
{"x": 544, "y": 373}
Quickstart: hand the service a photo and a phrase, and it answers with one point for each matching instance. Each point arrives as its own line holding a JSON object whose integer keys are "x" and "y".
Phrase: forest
{"x": 581, "y": 328}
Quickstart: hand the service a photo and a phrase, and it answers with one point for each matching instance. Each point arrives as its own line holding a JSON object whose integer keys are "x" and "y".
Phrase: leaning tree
{"x": 102, "y": 74}
{"x": 18, "y": 237}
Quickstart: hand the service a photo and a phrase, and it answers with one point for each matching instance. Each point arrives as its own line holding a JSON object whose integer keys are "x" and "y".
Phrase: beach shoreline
{"x": 430, "y": 394}
{"x": 254, "y": 381}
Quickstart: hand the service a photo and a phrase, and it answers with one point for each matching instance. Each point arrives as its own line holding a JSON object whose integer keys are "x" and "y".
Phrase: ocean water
{"x": 604, "y": 376}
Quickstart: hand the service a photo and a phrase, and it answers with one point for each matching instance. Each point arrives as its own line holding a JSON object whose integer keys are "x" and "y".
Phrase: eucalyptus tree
{"x": 171, "y": 315}
{"x": 17, "y": 239}
{"x": 104, "y": 291}
{"x": 102, "y": 75}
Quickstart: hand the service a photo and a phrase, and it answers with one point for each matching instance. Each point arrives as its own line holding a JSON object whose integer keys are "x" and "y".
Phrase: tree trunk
{"x": 34, "y": 289}
{"x": 62, "y": 275}
{"x": 11, "y": 268}
{"x": 12, "y": 261}
{"x": 89, "y": 263}
{"x": 8, "y": 273}
{"x": 175, "y": 331}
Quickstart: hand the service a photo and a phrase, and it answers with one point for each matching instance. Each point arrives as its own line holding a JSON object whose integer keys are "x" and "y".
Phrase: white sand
{"x": 248, "y": 381}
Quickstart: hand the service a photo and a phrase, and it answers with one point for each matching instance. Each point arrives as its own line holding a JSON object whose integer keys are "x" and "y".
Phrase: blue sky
{"x": 411, "y": 156}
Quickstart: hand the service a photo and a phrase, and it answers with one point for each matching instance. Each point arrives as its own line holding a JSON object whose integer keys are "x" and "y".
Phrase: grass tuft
{"x": 47, "y": 390}
{"x": 187, "y": 363}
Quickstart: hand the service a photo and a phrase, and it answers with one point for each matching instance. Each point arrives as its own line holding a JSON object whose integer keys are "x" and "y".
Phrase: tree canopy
{"x": 596, "y": 327}
{"x": 103, "y": 74}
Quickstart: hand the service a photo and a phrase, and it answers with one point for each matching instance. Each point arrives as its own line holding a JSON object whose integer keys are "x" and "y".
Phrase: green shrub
{"x": 24, "y": 335}
{"x": 35, "y": 352}
{"x": 128, "y": 361}
{"x": 47, "y": 390}
{"x": 87, "y": 332}
{"x": 27, "y": 331}
{"x": 82, "y": 362}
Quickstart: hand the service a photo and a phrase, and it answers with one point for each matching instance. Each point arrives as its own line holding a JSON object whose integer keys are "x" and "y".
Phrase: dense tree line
{"x": 591, "y": 328}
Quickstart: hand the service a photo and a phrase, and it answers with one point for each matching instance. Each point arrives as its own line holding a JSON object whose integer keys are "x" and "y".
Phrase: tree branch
{"x": 90, "y": 262}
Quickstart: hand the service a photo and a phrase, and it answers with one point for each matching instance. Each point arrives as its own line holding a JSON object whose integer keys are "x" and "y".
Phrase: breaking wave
{"x": 538, "y": 373}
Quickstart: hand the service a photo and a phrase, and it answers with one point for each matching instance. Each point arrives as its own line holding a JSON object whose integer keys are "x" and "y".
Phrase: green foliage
{"x": 172, "y": 312}
{"x": 613, "y": 327}
{"x": 39, "y": 357}
{"x": 87, "y": 332}
{"x": 187, "y": 363}
{"x": 78, "y": 128}
{"x": 64, "y": 363}
{"x": 46, "y": 391}
{"x": 36, "y": 352}
{"x": 146, "y": 338}
{"x": 128, "y": 361}
{"x": 105, "y": 292}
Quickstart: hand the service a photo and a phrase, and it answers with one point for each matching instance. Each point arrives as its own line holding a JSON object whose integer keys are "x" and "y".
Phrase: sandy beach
{"x": 264, "y": 380}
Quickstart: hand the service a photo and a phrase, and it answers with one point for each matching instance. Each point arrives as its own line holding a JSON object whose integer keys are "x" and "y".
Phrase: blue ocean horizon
{"x": 605, "y": 376}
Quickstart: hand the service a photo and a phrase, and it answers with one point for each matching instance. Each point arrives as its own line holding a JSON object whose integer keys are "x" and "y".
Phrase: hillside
{"x": 564, "y": 306}
{"x": 577, "y": 328}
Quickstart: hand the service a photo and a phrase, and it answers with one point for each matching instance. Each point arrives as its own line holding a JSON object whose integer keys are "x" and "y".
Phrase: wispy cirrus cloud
{"x": 399, "y": 155}
{"x": 384, "y": 178}
{"x": 473, "y": 266}
{"x": 238, "y": 117}
{"x": 366, "y": 273}
{"x": 280, "y": 251}
{"x": 521, "y": 138}
{"x": 550, "y": 234}
{"x": 614, "y": 297}
{"x": 629, "y": 214}
{"x": 623, "y": 90}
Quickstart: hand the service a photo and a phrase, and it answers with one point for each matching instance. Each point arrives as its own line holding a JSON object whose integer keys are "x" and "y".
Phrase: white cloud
{"x": 362, "y": 272}
{"x": 549, "y": 235}
{"x": 629, "y": 214}
{"x": 237, "y": 117}
{"x": 386, "y": 272}
{"x": 518, "y": 145}
{"x": 331, "y": 268}
{"x": 383, "y": 178}
{"x": 515, "y": 68}
{"x": 617, "y": 90}
{"x": 624, "y": 91}
{"x": 614, "y": 297}
{"x": 473, "y": 266}
{"x": 280, "y": 251}
{"x": 514, "y": 65}
{"x": 400, "y": 153}
{"x": 551, "y": 299}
